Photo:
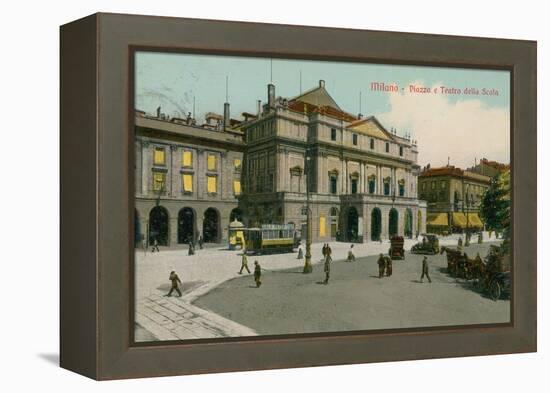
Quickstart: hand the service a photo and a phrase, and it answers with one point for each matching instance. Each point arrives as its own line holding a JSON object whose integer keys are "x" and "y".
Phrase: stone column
{"x": 173, "y": 229}
{"x": 145, "y": 167}
{"x": 173, "y": 172}
{"x": 362, "y": 178}
{"x": 378, "y": 180}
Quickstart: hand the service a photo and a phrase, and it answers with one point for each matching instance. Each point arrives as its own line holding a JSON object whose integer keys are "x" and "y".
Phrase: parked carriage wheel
{"x": 495, "y": 290}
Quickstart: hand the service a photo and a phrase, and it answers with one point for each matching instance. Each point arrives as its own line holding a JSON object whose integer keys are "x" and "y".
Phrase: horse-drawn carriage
{"x": 496, "y": 277}
{"x": 397, "y": 251}
{"x": 491, "y": 275}
{"x": 460, "y": 265}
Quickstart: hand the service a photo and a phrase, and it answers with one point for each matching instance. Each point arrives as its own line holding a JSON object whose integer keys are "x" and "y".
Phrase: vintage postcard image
{"x": 282, "y": 196}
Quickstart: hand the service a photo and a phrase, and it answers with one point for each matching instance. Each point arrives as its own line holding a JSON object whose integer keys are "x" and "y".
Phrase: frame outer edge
{"x": 78, "y": 197}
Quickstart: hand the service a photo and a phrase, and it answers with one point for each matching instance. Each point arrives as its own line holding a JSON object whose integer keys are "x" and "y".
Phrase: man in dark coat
{"x": 328, "y": 260}
{"x": 257, "y": 274}
{"x": 381, "y": 265}
{"x": 425, "y": 271}
{"x": 175, "y": 284}
{"x": 389, "y": 269}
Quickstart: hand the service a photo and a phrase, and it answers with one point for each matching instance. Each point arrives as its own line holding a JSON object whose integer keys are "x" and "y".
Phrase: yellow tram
{"x": 271, "y": 238}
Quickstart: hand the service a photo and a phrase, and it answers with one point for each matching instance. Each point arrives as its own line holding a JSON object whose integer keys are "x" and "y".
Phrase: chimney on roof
{"x": 259, "y": 110}
{"x": 321, "y": 83}
{"x": 226, "y": 118}
{"x": 271, "y": 95}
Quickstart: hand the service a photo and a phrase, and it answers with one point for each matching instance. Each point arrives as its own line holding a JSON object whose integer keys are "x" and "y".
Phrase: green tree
{"x": 495, "y": 205}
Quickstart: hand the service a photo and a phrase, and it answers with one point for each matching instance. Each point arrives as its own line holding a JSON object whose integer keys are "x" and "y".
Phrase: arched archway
{"x": 393, "y": 222}
{"x": 408, "y": 223}
{"x": 137, "y": 230}
{"x": 236, "y": 213}
{"x": 211, "y": 226}
{"x": 375, "y": 224}
{"x": 352, "y": 224}
{"x": 186, "y": 225}
{"x": 158, "y": 226}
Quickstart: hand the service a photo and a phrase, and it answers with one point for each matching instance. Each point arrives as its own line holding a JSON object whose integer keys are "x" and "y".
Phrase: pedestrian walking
{"x": 381, "y": 265}
{"x": 175, "y": 284}
{"x": 201, "y": 241}
{"x": 329, "y": 250}
{"x": 328, "y": 260}
{"x": 351, "y": 256}
{"x": 425, "y": 271}
{"x": 257, "y": 274}
{"x": 300, "y": 253}
{"x": 155, "y": 245}
{"x": 389, "y": 268}
{"x": 244, "y": 264}
{"x": 324, "y": 251}
{"x": 191, "y": 250}
{"x": 459, "y": 245}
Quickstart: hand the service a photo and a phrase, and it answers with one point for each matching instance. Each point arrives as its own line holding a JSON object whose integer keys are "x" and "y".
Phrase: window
{"x": 159, "y": 157}
{"x": 322, "y": 226}
{"x": 187, "y": 180}
{"x": 401, "y": 151}
{"x": 371, "y": 143}
{"x": 211, "y": 162}
{"x": 159, "y": 181}
{"x": 237, "y": 164}
{"x": 354, "y": 186}
{"x": 187, "y": 159}
{"x": 387, "y": 186}
{"x": 402, "y": 189}
{"x": 433, "y": 185}
{"x": 354, "y": 137}
{"x": 372, "y": 185}
{"x": 211, "y": 184}
{"x": 333, "y": 134}
{"x": 237, "y": 187}
{"x": 387, "y": 147}
{"x": 442, "y": 184}
{"x": 333, "y": 184}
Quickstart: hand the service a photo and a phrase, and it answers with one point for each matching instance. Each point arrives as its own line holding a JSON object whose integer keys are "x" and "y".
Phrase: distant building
{"x": 187, "y": 178}
{"x": 489, "y": 168}
{"x": 362, "y": 177}
{"x": 453, "y": 196}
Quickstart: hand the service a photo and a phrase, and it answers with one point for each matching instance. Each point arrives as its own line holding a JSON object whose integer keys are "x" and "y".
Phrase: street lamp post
{"x": 465, "y": 198}
{"x": 308, "y": 268}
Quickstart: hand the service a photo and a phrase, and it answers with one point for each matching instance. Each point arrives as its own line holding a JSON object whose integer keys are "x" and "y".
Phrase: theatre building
{"x": 362, "y": 177}
{"x": 454, "y": 197}
{"x": 187, "y": 178}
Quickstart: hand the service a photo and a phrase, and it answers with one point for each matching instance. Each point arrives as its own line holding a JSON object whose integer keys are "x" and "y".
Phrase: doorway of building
{"x": 409, "y": 223}
{"x": 393, "y": 222}
{"x": 211, "y": 226}
{"x": 353, "y": 225}
{"x": 137, "y": 230}
{"x": 186, "y": 225}
{"x": 375, "y": 224}
{"x": 158, "y": 226}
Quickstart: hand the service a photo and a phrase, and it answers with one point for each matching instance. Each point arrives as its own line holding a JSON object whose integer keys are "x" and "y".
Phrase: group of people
{"x": 385, "y": 267}
{"x": 257, "y": 269}
{"x": 193, "y": 245}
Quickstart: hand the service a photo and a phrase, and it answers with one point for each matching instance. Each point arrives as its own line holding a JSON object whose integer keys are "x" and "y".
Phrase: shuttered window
{"x": 159, "y": 157}
{"x": 187, "y": 182}
{"x": 237, "y": 187}
{"x": 322, "y": 226}
{"x": 211, "y": 184}
{"x": 211, "y": 162}
{"x": 187, "y": 159}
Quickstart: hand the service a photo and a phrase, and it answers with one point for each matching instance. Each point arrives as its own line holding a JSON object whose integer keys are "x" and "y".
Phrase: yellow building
{"x": 453, "y": 198}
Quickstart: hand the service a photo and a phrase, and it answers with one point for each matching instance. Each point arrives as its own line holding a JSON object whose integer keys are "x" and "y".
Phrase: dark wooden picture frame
{"x": 97, "y": 195}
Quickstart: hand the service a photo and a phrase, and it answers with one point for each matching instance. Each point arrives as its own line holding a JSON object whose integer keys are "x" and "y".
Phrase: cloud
{"x": 463, "y": 130}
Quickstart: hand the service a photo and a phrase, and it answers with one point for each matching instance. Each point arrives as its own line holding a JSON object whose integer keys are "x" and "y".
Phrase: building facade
{"x": 187, "y": 179}
{"x": 453, "y": 197}
{"x": 361, "y": 178}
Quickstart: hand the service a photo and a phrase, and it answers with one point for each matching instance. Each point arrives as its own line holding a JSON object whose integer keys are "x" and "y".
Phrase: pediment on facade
{"x": 372, "y": 127}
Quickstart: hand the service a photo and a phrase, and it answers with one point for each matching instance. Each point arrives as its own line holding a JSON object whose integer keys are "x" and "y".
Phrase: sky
{"x": 451, "y": 125}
